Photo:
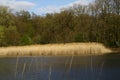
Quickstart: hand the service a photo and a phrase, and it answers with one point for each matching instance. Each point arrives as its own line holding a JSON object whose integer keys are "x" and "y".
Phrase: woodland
{"x": 97, "y": 22}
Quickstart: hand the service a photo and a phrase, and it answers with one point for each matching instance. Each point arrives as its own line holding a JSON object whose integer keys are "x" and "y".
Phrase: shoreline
{"x": 115, "y": 49}
{"x": 68, "y": 49}
{"x": 51, "y": 55}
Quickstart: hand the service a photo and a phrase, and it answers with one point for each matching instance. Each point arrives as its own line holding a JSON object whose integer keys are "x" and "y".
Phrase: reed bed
{"x": 55, "y": 50}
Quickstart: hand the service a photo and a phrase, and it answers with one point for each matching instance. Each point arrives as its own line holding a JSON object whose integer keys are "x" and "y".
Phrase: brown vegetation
{"x": 55, "y": 50}
{"x": 96, "y": 22}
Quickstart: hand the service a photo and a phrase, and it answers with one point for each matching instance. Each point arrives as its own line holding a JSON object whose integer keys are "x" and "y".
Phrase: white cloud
{"x": 27, "y": 5}
{"x": 83, "y": 2}
{"x": 52, "y": 9}
{"x": 48, "y": 9}
{"x": 17, "y": 5}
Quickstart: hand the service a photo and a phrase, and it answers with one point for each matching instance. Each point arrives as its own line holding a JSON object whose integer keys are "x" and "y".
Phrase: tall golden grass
{"x": 55, "y": 49}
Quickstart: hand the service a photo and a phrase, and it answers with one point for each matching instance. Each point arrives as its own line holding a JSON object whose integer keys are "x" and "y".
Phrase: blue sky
{"x": 42, "y": 6}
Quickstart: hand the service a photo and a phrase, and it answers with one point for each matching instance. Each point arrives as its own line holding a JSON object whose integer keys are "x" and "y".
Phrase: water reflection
{"x": 105, "y": 67}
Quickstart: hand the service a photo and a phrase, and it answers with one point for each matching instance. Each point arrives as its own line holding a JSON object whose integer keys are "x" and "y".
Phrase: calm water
{"x": 106, "y": 67}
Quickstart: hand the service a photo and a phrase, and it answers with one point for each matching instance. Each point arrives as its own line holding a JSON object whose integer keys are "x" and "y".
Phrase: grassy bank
{"x": 117, "y": 50}
{"x": 55, "y": 50}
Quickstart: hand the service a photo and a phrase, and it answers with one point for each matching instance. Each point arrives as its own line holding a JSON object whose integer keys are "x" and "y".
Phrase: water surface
{"x": 105, "y": 67}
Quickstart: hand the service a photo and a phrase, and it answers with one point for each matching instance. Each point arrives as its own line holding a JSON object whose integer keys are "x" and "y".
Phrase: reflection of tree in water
{"x": 112, "y": 60}
{"x": 61, "y": 67}
{"x": 6, "y": 69}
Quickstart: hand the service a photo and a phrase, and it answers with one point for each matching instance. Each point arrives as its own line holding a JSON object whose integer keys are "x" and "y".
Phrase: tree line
{"x": 96, "y": 22}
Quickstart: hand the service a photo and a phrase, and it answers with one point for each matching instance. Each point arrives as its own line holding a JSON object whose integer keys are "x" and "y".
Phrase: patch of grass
{"x": 55, "y": 50}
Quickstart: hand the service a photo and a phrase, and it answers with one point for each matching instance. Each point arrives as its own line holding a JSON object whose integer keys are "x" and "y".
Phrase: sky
{"x": 41, "y": 7}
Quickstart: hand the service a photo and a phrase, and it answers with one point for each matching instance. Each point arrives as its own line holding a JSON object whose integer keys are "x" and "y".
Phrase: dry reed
{"x": 70, "y": 64}
{"x": 101, "y": 69}
{"x": 55, "y": 49}
{"x": 31, "y": 62}
{"x": 16, "y": 67}
{"x": 24, "y": 66}
{"x": 50, "y": 71}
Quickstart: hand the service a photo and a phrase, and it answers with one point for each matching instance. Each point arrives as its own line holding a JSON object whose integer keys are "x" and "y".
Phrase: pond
{"x": 105, "y": 67}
